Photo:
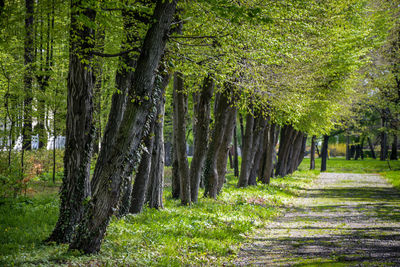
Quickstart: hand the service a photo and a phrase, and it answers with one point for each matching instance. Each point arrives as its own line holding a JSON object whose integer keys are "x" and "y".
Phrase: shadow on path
{"x": 344, "y": 219}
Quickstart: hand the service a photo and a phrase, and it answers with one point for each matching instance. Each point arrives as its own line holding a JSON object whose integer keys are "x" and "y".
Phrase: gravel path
{"x": 342, "y": 220}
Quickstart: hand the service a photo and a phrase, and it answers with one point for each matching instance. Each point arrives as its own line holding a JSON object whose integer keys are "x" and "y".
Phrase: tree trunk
{"x": 348, "y": 156}
{"x": 257, "y": 149}
{"x": 155, "y": 188}
{"x": 267, "y": 169}
{"x": 371, "y": 146}
{"x": 151, "y": 159}
{"x": 108, "y": 175}
{"x": 302, "y": 151}
{"x": 201, "y": 124}
{"x": 180, "y": 112}
{"x": 28, "y": 75}
{"x": 139, "y": 189}
{"x": 175, "y": 182}
{"x": 383, "y": 154}
{"x": 362, "y": 147}
{"x": 324, "y": 153}
{"x": 288, "y": 135}
{"x": 79, "y": 129}
{"x": 296, "y": 152}
{"x": 222, "y": 155}
{"x": 393, "y": 154}
{"x": 247, "y": 143}
{"x": 312, "y": 154}
{"x": 221, "y": 115}
{"x": 235, "y": 149}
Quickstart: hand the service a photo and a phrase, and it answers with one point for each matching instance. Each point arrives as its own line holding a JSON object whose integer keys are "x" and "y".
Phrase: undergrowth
{"x": 209, "y": 232}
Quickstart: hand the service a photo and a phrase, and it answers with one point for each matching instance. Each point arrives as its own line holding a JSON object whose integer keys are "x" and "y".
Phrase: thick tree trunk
{"x": 155, "y": 188}
{"x": 324, "y": 153}
{"x": 180, "y": 112}
{"x": 152, "y": 157}
{"x": 28, "y": 75}
{"x": 393, "y": 154}
{"x": 79, "y": 129}
{"x": 257, "y": 149}
{"x": 312, "y": 154}
{"x": 222, "y": 155}
{"x": 270, "y": 140}
{"x": 202, "y": 114}
{"x": 142, "y": 176}
{"x": 371, "y": 147}
{"x": 288, "y": 136}
{"x": 296, "y": 152}
{"x": 211, "y": 175}
{"x": 108, "y": 177}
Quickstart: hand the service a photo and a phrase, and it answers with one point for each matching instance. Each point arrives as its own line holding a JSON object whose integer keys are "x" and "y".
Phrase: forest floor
{"x": 343, "y": 219}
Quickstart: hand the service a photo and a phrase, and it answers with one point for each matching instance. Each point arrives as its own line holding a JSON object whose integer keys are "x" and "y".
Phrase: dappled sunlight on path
{"x": 344, "y": 219}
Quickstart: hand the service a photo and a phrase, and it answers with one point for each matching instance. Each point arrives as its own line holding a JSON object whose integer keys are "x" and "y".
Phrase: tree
{"x": 108, "y": 178}
{"x": 75, "y": 188}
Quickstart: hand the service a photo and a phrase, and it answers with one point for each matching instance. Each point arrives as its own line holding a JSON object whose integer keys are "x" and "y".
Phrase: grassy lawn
{"x": 209, "y": 232}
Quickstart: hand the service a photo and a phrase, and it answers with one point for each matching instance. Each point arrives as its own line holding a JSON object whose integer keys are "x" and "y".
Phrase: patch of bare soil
{"x": 342, "y": 220}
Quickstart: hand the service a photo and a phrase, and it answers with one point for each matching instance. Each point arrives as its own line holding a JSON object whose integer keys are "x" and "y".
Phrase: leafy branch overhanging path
{"x": 342, "y": 219}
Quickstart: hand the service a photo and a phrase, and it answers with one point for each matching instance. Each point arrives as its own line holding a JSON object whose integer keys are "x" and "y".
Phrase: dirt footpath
{"x": 342, "y": 220}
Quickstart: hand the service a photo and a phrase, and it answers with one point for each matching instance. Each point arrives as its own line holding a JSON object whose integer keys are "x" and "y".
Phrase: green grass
{"x": 207, "y": 233}
{"x": 367, "y": 165}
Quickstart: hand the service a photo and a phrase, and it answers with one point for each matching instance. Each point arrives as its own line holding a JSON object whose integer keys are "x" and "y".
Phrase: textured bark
{"x": 79, "y": 129}
{"x": 153, "y": 157}
{"x": 371, "y": 146}
{"x": 223, "y": 150}
{"x": 324, "y": 153}
{"x": 247, "y": 143}
{"x": 180, "y": 113}
{"x": 142, "y": 176}
{"x": 393, "y": 154}
{"x": 257, "y": 149}
{"x": 108, "y": 178}
{"x": 312, "y": 154}
{"x": 288, "y": 135}
{"x": 156, "y": 178}
{"x": 296, "y": 151}
{"x": 210, "y": 167}
{"x": 267, "y": 167}
{"x": 126, "y": 197}
{"x": 202, "y": 114}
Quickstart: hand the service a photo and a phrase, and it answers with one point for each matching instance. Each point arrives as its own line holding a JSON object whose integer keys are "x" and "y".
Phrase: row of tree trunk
{"x": 134, "y": 125}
